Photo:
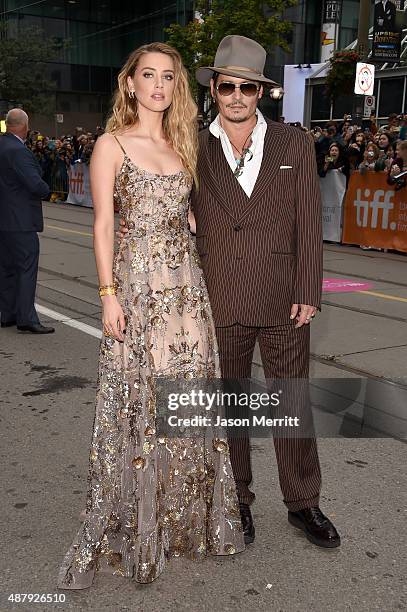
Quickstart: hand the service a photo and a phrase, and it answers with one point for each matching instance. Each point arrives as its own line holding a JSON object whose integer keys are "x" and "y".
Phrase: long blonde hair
{"x": 180, "y": 118}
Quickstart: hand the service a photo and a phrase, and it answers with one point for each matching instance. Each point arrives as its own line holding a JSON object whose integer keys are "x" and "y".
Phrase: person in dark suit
{"x": 385, "y": 16}
{"x": 21, "y": 192}
{"x": 259, "y": 237}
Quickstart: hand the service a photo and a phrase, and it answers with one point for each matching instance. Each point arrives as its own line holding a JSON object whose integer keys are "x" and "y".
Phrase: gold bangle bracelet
{"x": 107, "y": 290}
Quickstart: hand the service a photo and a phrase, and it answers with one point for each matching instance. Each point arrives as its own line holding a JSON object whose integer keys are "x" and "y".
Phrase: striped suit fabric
{"x": 260, "y": 255}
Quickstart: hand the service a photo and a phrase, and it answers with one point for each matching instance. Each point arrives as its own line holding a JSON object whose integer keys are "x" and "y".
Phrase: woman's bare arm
{"x": 102, "y": 176}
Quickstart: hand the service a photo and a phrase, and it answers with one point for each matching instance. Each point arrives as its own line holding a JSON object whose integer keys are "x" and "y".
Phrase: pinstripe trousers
{"x": 284, "y": 353}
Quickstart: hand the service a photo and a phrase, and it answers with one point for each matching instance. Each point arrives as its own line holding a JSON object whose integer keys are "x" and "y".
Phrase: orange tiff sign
{"x": 375, "y": 214}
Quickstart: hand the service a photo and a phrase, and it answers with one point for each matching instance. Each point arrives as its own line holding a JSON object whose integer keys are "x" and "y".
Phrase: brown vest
{"x": 260, "y": 254}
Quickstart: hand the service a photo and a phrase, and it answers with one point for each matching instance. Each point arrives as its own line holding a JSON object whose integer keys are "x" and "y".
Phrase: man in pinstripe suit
{"x": 259, "y": 237}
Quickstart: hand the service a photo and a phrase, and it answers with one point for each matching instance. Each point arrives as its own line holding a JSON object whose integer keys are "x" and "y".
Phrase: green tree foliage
{"x": 341, "y": 76}
{"x": 22, "y": 75}
{"x": 258, "y": 19}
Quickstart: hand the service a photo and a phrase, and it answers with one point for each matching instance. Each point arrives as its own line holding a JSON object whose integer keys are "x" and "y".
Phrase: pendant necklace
{"x": 245, "y": 150}
{"x": 240, "y": 162}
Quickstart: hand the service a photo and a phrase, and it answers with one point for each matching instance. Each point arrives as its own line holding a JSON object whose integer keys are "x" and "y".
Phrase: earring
{"x": 132, "y": 93}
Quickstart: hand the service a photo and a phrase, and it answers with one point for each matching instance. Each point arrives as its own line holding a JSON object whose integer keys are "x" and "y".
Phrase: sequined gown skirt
{"x": 150, "y": 497}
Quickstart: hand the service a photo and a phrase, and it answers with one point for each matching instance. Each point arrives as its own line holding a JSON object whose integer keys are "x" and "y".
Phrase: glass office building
{"x": 305, "y": 38}
{"x": 101, "y": 33}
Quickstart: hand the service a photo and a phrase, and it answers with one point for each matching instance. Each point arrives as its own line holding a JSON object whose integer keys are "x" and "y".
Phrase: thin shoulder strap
{"x": 120, "y": 145}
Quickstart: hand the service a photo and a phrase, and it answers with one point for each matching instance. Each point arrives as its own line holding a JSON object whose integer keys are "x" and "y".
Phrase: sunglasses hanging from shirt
{"x": 247, "y": 89}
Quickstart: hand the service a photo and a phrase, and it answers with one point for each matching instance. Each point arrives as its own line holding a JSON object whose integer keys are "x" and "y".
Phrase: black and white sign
{"x": 369, "y": 106}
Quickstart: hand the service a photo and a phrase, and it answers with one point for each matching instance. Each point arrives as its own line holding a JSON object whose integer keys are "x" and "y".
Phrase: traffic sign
{"x": 364, "y": 80}
{"x": 369, "y": 106}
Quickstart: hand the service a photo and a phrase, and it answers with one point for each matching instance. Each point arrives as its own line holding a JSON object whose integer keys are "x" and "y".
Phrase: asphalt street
{"x": 47, "y": 407}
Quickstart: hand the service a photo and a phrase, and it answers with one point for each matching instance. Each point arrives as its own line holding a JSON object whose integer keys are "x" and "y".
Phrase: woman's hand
{"x": 394, "y": 170}
{"x": 114, "y": 323}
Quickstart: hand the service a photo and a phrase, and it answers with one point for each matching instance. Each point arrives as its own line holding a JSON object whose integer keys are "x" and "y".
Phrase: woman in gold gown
{"x": 150, "y": 497}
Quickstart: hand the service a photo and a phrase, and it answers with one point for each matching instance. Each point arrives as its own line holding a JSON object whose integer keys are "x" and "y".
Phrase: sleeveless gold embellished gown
{"x": 149, "y": 497}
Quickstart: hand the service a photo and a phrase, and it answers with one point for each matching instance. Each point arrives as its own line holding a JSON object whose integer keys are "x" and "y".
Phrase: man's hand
{"x": 302, "y": 313}
{"x": 123, "y": 229}
{"x": 191, "y": 222}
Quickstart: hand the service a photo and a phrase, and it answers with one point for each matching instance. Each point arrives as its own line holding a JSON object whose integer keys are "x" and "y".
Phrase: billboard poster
{"x": 330, "y": 20}
{"x": 387, "y": 31}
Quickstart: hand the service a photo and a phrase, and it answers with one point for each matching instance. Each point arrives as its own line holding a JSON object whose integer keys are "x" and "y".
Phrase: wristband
{"x": 107, "y": 290}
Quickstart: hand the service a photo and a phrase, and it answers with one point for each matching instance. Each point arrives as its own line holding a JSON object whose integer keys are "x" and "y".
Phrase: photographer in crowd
{"x": 335, "y": 159}
{"x": 386, "y": 151}
{"x": 348, "y": 135}
{"x": 393, "y": 125}
{"x": 370, "y": 157}
{"x": 398, "y": 165}
{"x": 356, "y": 147}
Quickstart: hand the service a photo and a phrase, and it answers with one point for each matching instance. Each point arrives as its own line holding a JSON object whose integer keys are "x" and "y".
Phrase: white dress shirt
{"x": 251, "y": 168}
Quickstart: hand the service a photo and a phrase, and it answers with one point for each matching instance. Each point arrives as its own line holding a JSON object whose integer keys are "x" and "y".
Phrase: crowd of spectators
{"x": 348, "y": 147}
{"x": 343, "y": 146}
{"x": 56, "y": 155}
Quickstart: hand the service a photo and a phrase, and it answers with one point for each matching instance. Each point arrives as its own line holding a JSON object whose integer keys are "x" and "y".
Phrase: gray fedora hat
{"x": 237, "y": 56}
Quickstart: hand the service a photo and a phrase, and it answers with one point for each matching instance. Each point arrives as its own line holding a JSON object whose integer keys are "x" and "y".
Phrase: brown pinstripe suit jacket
{"x": 260, "y": 254}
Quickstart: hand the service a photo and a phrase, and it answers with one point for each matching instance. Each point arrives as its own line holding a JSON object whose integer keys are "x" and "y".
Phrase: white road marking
{"x": 57, "y": 316}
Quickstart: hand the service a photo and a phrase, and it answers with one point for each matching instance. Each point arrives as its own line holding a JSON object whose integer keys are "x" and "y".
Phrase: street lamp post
{"x": 363, "y": 29}
{"x": 276, "y": 94}
{"x": 363, "y": 51}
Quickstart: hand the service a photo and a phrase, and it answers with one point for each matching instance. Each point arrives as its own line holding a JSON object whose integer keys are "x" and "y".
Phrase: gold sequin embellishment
{"x": 152, "y": 497}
